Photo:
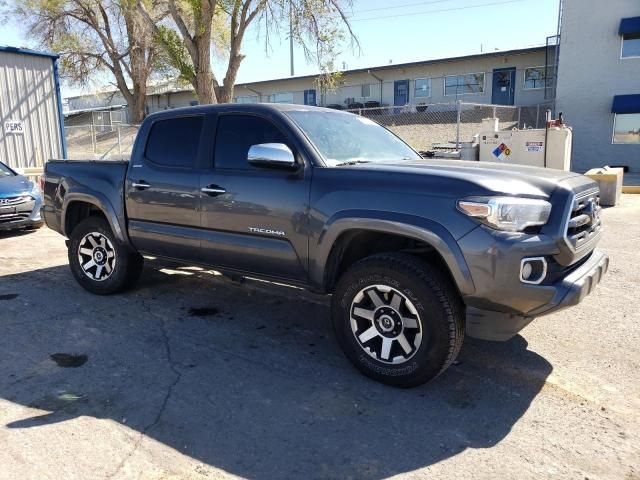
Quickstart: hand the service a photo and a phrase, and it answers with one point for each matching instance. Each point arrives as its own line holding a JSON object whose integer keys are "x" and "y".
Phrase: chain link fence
{"x": 432, "y": 127}
{"x": 100, "y": 142}
{"x": 443, "y": 126}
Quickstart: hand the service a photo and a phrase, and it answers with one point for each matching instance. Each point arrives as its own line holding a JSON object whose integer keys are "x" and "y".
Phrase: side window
{"x": 174, "y": 142}
{"x": 236, "y": 134}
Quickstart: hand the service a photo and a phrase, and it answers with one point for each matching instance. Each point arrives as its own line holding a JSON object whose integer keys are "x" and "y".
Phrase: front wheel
{"x": 399, "y": 320}
{"x": 98, "y": 262}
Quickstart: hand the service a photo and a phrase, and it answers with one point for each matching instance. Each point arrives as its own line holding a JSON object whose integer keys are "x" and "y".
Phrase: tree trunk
{"x": 230, "y": 79}
{"x": 202, "y": 63}
{"x": 137, "y": 108}
{"x": 139, "y": 68}
{"x": 203, "y": 85}
{"x": 235, "y": 59}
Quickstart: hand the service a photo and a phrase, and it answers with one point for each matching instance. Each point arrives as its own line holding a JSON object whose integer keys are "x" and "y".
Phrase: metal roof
{"x": 519, "y": 51}
{"x": 27, "y": 51}
{"x": 379, "y": 68}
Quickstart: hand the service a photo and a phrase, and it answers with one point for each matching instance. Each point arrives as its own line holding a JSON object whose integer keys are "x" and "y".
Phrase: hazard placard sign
{"x": 502, "y": 152}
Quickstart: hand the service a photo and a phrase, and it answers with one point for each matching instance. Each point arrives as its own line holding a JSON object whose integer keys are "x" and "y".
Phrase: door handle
{"x": 213, "y": 190}
{"x": 141, "y": 185}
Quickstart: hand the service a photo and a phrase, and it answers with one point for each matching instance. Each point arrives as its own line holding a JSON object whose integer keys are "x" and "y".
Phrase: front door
{"x": 310, "y": 97}
{"x": 163, "y": 190}
{"x": 401, "y": 93}
{"x": 504, "y": 86}
{"x": 254, "y": 219}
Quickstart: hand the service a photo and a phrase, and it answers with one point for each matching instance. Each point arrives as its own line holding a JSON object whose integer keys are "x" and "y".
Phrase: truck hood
{"x": 15, "y": 185}
{"x": 486, "y": 177}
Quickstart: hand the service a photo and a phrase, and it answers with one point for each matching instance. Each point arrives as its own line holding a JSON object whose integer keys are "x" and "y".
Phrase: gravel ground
{"x": 193, "y": 376}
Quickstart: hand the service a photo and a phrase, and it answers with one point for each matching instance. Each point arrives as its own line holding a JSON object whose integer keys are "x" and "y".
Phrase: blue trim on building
{"x": 56, "y": 79}
{"x": 629, "y": 26}
{"x": 626, "y": 104}
{"x": 27, "y": 51}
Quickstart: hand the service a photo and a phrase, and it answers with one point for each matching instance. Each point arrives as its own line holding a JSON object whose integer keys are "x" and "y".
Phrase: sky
{"x": 389, "y": 32}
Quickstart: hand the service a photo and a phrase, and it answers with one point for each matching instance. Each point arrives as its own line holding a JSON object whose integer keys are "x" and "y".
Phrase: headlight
{"x": 511, "y": 214}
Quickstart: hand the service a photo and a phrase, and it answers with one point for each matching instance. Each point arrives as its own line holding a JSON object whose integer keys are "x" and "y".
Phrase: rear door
{"x": 162, "y": 190}
{"x": 254, "y": 219}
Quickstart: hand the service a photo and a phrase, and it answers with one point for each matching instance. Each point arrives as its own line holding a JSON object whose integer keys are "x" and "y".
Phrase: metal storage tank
{"x": 31, "y": 122}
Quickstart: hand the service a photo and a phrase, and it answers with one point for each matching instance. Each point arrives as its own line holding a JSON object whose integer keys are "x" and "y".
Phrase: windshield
{"x": 4, "y": 171}
{"x": 343, "y": 138}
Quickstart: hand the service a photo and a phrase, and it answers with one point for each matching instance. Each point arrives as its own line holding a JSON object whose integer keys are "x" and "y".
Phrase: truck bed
{"x": 102, "y": 180}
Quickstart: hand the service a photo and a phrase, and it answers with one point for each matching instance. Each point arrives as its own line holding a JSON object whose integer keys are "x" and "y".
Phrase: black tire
{"x": 125, "y": 266}
{"x": 439, "y": 312}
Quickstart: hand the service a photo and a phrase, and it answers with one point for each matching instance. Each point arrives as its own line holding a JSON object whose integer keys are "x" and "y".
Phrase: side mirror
{"x": 274, "y": 155}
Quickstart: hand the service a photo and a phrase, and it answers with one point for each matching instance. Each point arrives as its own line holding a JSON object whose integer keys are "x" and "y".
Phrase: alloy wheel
{"x": 386, "y": 324}
{"x": 97, "y": 256}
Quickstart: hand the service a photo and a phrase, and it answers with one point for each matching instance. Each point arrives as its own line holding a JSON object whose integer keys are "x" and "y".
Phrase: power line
{"x": 414, "y": 4}
{"x": 468, "y": 7}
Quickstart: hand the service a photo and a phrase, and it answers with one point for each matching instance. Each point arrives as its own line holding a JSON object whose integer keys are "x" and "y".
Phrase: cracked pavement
{"x": 191, "y": 375}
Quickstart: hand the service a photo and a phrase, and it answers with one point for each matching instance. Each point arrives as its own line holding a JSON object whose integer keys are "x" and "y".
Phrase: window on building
{"x": 236, "y": 134}
{"x": 538, "y": 77}
{"x": 365, "y": 90}
{"x": 631, "y": 45}
{"x": 626, "y": 128}
{"x": 246, "y": 99}
{"x": 423, "y": 87}
{"x": 282, "y": 97}
{"x": 464, "y": 84}
{"x": 174, "y": 142}
{"x": 629, "y": 31}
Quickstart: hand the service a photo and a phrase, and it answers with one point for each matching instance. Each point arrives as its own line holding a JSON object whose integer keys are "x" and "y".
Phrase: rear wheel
{"x": 98, "y": 262}
{"x": 398, "y": 319}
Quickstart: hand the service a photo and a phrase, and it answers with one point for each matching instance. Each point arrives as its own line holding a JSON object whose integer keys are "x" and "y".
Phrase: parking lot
{"x": 191, "y": 375}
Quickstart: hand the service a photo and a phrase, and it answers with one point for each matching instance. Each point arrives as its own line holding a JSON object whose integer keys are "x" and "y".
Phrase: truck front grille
{"x": 584, "y": 220}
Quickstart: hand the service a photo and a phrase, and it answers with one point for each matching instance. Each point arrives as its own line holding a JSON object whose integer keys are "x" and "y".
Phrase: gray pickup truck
{"x": 415, "y": 253}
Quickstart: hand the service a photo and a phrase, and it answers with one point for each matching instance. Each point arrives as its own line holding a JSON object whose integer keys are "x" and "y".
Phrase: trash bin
{"x": 610, "y": 181}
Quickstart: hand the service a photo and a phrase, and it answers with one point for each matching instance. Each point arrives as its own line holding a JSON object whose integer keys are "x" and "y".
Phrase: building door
{"x": 401, "y": 92}
{"x": 310, "y": 97}
{"x": 504, "y": 86}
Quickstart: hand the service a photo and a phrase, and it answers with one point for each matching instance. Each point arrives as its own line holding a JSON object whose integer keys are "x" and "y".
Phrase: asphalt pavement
{"x": 192, "y": 375}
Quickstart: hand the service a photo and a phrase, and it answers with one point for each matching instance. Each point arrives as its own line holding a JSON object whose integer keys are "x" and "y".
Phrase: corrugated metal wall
{"x": 28, "y": 94}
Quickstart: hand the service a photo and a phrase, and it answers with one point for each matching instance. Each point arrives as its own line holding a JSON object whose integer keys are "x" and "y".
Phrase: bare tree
{"x": 94, "y": 36}
{"x": 318, "y": 26}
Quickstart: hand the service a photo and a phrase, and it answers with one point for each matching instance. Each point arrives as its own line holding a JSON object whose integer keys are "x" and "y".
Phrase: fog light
{"x": 533, "y": 270}
{"x": 527, "y": 270}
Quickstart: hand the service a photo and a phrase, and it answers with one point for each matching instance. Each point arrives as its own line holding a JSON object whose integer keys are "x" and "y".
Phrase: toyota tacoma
{"x": 416, "y": 253}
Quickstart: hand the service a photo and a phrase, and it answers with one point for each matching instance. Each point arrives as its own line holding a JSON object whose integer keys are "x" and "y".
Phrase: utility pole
{"x": 291, "y": 34}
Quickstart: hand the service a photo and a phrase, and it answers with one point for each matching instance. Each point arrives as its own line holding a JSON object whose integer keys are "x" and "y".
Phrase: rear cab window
{"x": 174, "y": 142}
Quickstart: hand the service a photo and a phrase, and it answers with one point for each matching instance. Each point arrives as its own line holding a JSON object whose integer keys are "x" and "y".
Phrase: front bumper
{"x": 22, "y": 215}
{"x": 569, "y": 291}
{"x": 577, "y": 285}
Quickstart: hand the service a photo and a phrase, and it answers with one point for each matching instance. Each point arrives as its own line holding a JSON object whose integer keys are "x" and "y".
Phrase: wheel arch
{"x": 349, "y": 238}
{"x": 80, "y": 205}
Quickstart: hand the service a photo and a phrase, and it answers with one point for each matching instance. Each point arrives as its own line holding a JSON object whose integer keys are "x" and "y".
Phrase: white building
{"x": 514, "y": 77}
{"x": 30, "y": 108}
